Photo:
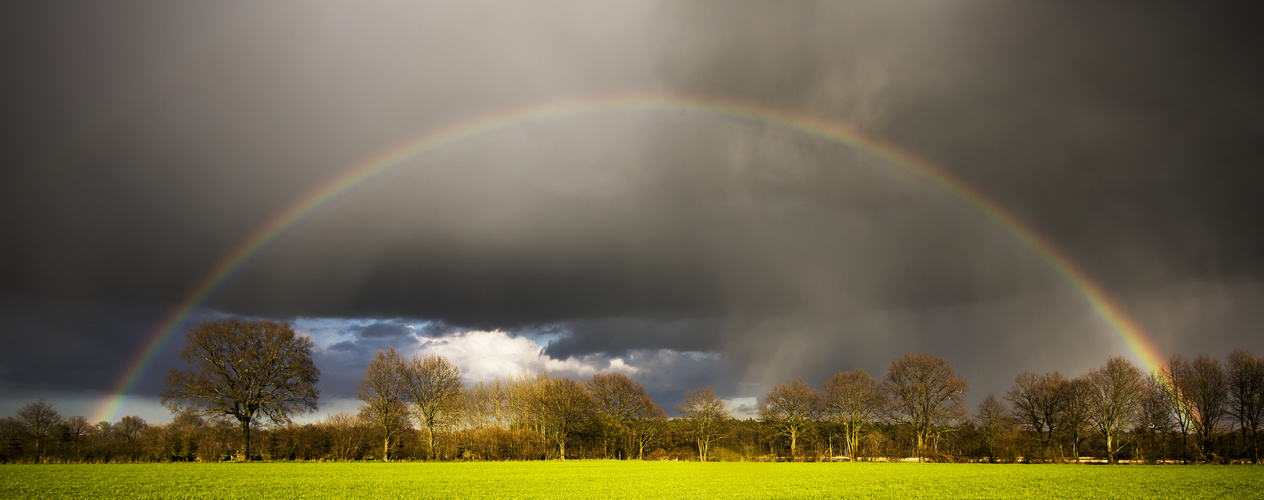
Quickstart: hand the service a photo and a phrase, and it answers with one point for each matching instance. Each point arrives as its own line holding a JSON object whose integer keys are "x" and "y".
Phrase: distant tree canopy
{"x": 246, "y": 378}
{"x": 247, "y": 370}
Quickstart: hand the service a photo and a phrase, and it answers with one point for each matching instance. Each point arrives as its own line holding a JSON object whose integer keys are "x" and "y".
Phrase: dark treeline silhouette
{"x": 1190, "y": 411}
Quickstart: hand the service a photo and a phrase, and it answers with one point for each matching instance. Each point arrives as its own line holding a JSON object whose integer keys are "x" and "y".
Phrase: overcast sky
{"x": 141, "y": 142}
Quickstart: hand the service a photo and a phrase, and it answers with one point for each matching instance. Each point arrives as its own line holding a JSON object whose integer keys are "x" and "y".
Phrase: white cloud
{"x": 486, "y": 355}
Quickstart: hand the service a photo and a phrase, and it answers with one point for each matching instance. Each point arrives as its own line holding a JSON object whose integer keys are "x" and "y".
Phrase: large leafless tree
{"x": 383, "y": 389}
{"x": 565, "y": 408}
{"x": 1176, "y": 375}
{"x": 41, "y": 418}
{"x": 76, "y": 428}
{"x": 247, "y": 370}
{"x": 791, "y": 409}
{"x": 648, "y": 427}
{"x": 433, "y": 388}
{"x": 618, "y": 400}
{"x": 992, "y": 419}
{"x": 705, "y": 417}
{"x": 1076, "y": 414}
{"x": 1038, "y": 403}
{"x": 1246, "y": 398}
{"x": 1207, "y": 392}
{"x": 853, "y": 399}
{"x": 1114, "y": 398}
{"x": 924, "y": 391}
{"x": 1154, "y": 416}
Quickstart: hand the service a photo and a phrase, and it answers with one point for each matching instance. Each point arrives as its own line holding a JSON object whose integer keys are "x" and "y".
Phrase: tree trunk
{"x": 386, "y": 449}
{"x": 1184, "y": 446}
{"x": 245, "y": 440}
{"x": 434, "y": 454}
{"x": 1110, "y": 448}
{"x": 1075, "y": 445}
{"x": 920, "y": 441}
{"x": 853, "y": 441}
{"x": 1242, "y": 425}
{"x": 430, "y": 425}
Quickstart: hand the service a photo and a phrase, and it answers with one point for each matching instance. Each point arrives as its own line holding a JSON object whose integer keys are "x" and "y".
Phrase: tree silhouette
{"x": 1114, "y": 398}
{"x": 40, "y": 418}
{"x": 705, "y": 417}
{"x": 853, "y": 399}
{"x": 433, "y": 386}
{"x": 383, "y": 388}
{"x": 790, "y": 409}
{"x": 248, "y": 370}
{"x": 924, "y": 391}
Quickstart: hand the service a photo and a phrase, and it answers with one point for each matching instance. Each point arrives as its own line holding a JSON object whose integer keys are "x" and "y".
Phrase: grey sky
{"x": 143, "y": 141}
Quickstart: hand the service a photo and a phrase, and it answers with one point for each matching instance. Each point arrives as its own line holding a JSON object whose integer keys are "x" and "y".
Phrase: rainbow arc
{"x": 1128, "y": 330}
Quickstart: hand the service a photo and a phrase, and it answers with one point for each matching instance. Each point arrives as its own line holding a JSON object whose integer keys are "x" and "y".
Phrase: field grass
{"x": 613, "y": 479}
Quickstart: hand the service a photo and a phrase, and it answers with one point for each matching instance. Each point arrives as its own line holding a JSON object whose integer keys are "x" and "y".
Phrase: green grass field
{"x": 613, "y": 479}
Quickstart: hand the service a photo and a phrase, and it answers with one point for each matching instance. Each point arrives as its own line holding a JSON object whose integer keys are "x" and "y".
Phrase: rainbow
{"x": 1132, "y": 335}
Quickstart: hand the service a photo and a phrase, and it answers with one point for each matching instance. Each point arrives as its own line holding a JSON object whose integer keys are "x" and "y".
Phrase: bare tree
{"x": 618, "y": 400}
{"x": 1246, "y": 398}
{"x": 791, "y": 409}
{"x": 247, "y": 370}
{"x": 853, "y": 399}
{"x": 40, "y": 418}
{"x": 1207, "y": 392}
{"x": 346, "y": 435}
{"x": 565, "y": 408}
{"x": 924, "y": 391}
{"x": 523, "y": 401}
{"x": 1038, "y": 402}
{"x": 992, "y": 418}
{"x": 648, "y": 427}
{"x": 1176, "y": 376}
{"x": 523, "y": 412}
{"x": 186, "y": 428}
{"x": 102, "y": 430}
{"x": 383, "y": 389}
{"x": 434, "y": 386}
{"x": 1114, "y": 397}
{"x": 130, "y": 428}
{"x": 1076, "y": 415}
{"x": 484, "y": 405}
{"x": 705, "y": 418}
{"x": 76, "y": 428}
{"x": 1154, "y": 416}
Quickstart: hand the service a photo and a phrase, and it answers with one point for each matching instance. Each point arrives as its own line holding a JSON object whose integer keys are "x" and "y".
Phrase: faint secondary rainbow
{"x": 1134, "y": 338}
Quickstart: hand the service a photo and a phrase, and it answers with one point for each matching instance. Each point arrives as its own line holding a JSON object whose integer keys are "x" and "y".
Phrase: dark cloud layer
{"x": 143, "y": 141}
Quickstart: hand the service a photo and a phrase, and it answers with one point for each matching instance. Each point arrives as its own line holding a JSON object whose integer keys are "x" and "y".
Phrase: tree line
{"x": 246, "y": 380}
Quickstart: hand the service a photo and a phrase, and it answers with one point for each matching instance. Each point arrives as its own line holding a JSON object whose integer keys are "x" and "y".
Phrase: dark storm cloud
{"x": 618, "y": 336}
{"x": 342, "y": 362}
{"x": 382, "y": 329}
{"x": 1114, "y": 129}
{"x": 142, "y": 142}
{"x": 76, "y": 345}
